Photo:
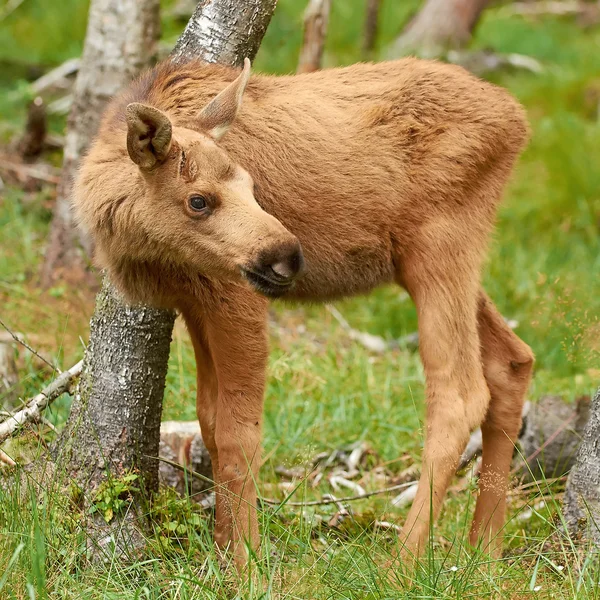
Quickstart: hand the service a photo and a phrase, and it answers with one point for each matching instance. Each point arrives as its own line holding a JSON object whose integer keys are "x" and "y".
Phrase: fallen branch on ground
{"x": 531, "y": 9}
{"x": 32, "y": 412}
{"x": 376, "y": 343}
{"x": 48, "y": 174}
{"x": 60, "y": 78}
{"x": 6, "y": 459}
{"x": 274, "y": 502}
{"x": 371, "y": 342}
{"x": 485, "y": 61}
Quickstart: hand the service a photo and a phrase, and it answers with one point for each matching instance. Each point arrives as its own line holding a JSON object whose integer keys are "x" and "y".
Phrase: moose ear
{"x": 149, "y": 135}
{"x": 219, "y": 114}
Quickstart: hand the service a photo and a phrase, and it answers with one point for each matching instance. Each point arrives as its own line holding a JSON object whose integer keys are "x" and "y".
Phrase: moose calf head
{"x": 181, "y": 203}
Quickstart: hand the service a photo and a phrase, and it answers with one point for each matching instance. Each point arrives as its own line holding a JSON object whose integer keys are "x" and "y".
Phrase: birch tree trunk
{"x": 114, "y": 423}
{"x": 121, "y": 40}
{"x": 439, "y": 26}
{"x": 582, "y": 498}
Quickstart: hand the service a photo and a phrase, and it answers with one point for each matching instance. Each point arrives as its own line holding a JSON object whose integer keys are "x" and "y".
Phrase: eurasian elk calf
{"x": 316, "y": 187}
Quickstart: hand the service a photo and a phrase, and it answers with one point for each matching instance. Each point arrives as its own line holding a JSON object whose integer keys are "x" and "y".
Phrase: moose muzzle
{"x": 275, "y": 270}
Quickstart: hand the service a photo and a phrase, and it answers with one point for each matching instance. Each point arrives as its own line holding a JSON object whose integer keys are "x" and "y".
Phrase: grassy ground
{"x": 325, "y": 391}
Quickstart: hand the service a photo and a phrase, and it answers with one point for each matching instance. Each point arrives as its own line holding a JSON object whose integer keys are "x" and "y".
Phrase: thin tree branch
{"x": 393, "y": 488}
{"x": 26, "y": 345}
{"x": 330, "y": 500}
{"x": 6, "y": 459}
{"x": 32, "y": 171}
{"x": 32, "y": 411}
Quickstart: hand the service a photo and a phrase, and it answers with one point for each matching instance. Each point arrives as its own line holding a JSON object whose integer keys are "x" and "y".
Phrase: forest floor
{"x": 327, "y": 392}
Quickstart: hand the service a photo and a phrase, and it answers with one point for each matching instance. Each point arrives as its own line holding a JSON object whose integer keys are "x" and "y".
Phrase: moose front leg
{"x": 206, "y": 407}
{"x": 237, "y": 336}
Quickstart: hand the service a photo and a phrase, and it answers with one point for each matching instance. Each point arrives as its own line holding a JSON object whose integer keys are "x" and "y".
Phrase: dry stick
{"x": 6, "y": 459}
{"x": 526, "y": 487}
{"x": 558, "y": 431}
{"x": 393, "y": 488}
{"x": 26, "y": 345}
{"x": 369, "y": 341}
{"x": 34, "y": 407}
{"x": 201, "y": 477}
{"x": 9, "y": 8}
{"x": 541, "y": 8}
{"x": 31, "y": 171}
{"x": 57, "y": 76}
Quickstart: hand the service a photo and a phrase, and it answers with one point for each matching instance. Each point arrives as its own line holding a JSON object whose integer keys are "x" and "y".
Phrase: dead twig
{"x": 273, "y": 502}
{"x": 61, "y": 77}
{"x": 32, "y": 171}
{"x": 9, "y": 8}
{"x": 6, "y": 459}
{"x": 485, "y": 61}
{"x": 32, "y": 411}
{"x": 369, "y": 341}
{"x": 387, "y": 490}
{"x": 557, "y": 432}
{"x": 526, "y": 487}
{"x": 540, "y": 8}
{"x": 26, "y": 345}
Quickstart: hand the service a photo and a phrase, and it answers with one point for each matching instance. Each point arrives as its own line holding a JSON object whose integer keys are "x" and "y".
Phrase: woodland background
{"x": 327, "y": 392}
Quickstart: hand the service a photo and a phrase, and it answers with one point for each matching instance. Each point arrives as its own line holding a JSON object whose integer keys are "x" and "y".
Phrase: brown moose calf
{"x": 325, "y": 185}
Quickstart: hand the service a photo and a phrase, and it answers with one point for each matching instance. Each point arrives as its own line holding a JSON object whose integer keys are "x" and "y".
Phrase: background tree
{"x": 440, "y": 25}
{"x": 316, "y": 20}
{"x": 121, "y": 40}
{"x": 582, "y": 498}
{"x": 371, "y": 26}
{"x": 114, "y": 423}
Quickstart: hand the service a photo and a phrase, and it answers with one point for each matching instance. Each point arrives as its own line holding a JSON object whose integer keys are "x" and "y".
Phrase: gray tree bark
{"x": 439, "y": 26}
{"x": 225, "y": 31}
{"x": 121, "y": 40}
{"x": 115, "y": 416}
{"x": 582, "y": 498}
{"x": 114, "y": 423}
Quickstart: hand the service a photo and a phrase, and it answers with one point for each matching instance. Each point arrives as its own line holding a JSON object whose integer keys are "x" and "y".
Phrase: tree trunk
{"x": 441, "y": 25}
{"x": 316, "y": 20}
{"x": 371, "y": 27}
{"x": 115, "y": 417}
{"x": 121, "y": 40}
{"x": 582, "y": 499}
{"x": 225, "y": 31}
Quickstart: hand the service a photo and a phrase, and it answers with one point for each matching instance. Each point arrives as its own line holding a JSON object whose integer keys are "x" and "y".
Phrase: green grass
{"x": 324, "y": 390}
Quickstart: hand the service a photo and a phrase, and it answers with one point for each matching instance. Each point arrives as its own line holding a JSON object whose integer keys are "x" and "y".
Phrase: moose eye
{"x": 197, "y": 203}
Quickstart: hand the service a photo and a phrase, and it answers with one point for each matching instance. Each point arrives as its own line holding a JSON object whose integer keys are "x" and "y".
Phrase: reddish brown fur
{"x": 384, "y": 172}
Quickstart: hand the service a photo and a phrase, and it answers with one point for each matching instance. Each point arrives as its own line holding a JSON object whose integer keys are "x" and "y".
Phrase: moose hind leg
{"x": 507, "y": 364}
{"x": 457, "y": 396}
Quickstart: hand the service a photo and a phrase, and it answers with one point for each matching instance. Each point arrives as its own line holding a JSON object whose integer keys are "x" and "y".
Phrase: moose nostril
{"x": 283, "y": 269}
{"x": 289, "y": 267}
